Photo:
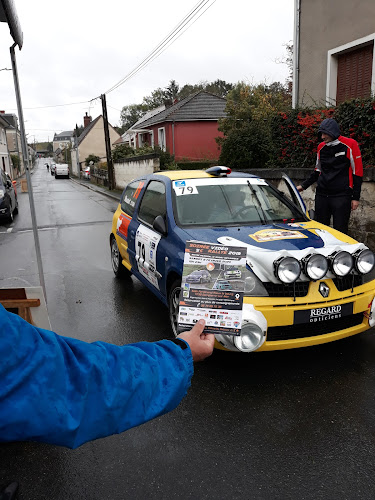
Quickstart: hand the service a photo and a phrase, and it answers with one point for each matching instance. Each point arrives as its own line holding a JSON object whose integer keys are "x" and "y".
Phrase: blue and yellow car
{"x": 308, "y": 285}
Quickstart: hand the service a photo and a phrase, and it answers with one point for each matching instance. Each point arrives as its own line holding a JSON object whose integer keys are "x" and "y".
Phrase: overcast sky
{"x": 74, "y": 51}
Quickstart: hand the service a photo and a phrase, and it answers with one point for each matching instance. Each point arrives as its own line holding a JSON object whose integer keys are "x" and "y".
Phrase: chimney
{"x": 86, "y": 120}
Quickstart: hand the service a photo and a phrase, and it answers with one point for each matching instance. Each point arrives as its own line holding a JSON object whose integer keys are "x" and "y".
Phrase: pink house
{"x": 187, "y": 129}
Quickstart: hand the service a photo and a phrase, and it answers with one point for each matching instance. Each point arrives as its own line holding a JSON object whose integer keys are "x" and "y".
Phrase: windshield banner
{"x": 212, "y": 288}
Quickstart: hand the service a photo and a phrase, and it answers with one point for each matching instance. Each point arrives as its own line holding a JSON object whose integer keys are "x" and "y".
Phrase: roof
{"x": 87, "y": 129}
{"x": 11, "y": 119}
{"x": 199, "y": 106}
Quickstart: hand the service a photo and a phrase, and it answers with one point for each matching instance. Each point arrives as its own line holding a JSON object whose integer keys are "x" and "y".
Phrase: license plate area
{"x": 319, "y": 314}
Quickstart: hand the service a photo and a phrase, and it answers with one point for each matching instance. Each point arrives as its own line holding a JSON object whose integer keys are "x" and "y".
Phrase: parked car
{"x": 53, "y": 167}
{"x": 61, "y": 169}
{"x": 232, "y": 272}
{"x": 199, "y": 276}
{"x": 13, "y": 182}
{"x": 8, "y": 198}
{"x": 86, "y": 173}
{"x": 308, "y": 284}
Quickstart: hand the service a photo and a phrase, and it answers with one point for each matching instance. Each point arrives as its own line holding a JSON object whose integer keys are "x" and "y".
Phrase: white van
{"x": 61, "y": 169}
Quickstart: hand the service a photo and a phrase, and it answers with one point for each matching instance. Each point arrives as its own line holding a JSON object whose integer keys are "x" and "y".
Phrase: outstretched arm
{"x": 64, "y": 391}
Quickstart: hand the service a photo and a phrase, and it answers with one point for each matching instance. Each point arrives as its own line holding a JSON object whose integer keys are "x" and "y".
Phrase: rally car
{"x": 308, "y": 283}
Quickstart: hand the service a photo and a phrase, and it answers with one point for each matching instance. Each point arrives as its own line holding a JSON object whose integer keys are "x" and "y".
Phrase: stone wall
{"x": 362, "y": 220}
{"x": 131, "y": 168}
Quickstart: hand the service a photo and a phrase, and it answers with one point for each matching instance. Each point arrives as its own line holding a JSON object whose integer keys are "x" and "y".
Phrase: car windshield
{"x": 226, "y": 202}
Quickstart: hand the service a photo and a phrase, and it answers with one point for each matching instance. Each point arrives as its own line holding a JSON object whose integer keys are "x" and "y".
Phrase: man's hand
{"x": 355, "y": 204}
{"x": 299, "y": 189}
{"x": 201, "y": 344}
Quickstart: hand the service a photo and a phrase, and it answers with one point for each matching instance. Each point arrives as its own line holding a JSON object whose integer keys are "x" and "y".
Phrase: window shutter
{"x": 354, "y": 74}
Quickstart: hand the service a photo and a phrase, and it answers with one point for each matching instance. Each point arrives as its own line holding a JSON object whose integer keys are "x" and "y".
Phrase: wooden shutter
{"x": 354, "y": 73}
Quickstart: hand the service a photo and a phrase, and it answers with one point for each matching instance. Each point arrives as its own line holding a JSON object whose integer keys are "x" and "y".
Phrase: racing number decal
{"x": 146, "y": 245}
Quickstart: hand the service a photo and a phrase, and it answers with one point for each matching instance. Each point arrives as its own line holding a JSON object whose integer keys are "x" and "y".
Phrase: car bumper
{"x": 283, "y": 333}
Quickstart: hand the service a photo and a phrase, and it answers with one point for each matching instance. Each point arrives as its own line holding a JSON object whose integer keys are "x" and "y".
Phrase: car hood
{"x": 266, "y": 243}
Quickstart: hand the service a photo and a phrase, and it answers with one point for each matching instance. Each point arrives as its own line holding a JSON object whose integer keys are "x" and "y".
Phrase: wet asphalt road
{"x": 278, "y": 425}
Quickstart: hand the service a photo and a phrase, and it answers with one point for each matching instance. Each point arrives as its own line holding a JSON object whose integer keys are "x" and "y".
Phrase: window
{"x": 161, "y": 138}
{"x": 130, "y": 196}
{"x": 153, "y": 203}
{"x": 350, "y": 70}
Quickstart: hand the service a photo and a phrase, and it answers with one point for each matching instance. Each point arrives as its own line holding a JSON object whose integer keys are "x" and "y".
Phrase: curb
{"x": 97, "y": 189}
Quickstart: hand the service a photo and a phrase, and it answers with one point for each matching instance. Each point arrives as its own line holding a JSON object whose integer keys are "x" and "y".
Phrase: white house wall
{"x": 129, "y": 170}
{"x": 94, "y": 142}
{"x": 326, "y": 26}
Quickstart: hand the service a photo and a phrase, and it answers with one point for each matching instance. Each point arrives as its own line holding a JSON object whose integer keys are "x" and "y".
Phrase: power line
{"x": 166, "y": 42}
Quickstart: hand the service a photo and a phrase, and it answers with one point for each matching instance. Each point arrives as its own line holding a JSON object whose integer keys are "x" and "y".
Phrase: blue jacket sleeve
{"x": 64, "y": 391}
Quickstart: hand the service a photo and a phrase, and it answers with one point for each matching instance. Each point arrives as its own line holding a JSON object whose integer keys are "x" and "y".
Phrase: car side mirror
{"x": 9, "y": 184}
{"x": 159, "y": 225}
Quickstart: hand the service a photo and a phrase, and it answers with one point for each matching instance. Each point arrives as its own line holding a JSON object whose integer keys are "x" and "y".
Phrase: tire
{"x": 173, "y": 305}
{"x": 15, "y": 211}
{"x": 10, "y": 216}
{"x": 118, "y": 268}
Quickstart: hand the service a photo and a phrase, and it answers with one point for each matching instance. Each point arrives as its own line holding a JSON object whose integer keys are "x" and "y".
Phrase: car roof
{"x": 174, "y": 175}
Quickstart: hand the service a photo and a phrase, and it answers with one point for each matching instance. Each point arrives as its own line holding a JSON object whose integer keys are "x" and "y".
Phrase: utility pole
{"x": 26, "y": 163}
{"x": 107, "y": 143}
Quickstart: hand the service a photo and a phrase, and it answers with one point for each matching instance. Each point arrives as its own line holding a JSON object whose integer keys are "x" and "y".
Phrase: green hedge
{"x": 290, "y": 139}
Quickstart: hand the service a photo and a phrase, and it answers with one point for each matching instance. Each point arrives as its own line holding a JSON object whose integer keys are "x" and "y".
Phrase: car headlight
{"x": 254, "y": 287}
{"x": 2, "y": 193}
{"x": 364, "y": 261}
{"x": 341, "y": 263}
{"x": 287, "y": 269}
{"x": 315, "y": 266}
{"x": 251, "y": 338}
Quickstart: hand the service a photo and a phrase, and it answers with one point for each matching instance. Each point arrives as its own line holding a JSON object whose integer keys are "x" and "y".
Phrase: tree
{"x": 247, "y": 127}
{"x": 219, "y": 87}
{"x": 131, "y": 114}
{"x": 122, "y": 151}
{"x": 93, "y": 158}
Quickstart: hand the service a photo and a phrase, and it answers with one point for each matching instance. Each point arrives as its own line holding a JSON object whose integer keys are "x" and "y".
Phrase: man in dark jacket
{"x": 338, "y": 172}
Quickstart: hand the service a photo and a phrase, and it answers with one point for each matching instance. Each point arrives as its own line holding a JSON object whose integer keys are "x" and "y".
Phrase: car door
{"x": 125, "y": 225}
{"x": 9, "y": 190}
{"x": 289, "y": 189}
{"x": 147, "y": 246}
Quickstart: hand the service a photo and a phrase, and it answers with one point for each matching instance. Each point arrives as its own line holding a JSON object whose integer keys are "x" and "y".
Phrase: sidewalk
{"x": 114, "y": 194}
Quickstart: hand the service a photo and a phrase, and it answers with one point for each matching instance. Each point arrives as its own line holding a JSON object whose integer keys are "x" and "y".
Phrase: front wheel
{"x": 117, "y": 266}
{"x": 174, "y": 305}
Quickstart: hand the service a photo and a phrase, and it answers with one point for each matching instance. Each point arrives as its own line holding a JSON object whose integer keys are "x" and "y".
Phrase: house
{"x": 187, "y": 129}
{"x": 91, "y": 142}
{"x": 130, "y": 136}
{"x": 333, "y": 51}
{"x": 13, "y": 137}
{"x": 61, "y": 144}
{"x": 5, "y": 162}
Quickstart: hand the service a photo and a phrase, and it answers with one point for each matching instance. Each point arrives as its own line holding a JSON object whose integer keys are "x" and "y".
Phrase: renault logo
{"x": 324, "y": 290}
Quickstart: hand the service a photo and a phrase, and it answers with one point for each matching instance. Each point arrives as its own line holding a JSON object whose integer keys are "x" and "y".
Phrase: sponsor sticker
{"x": 323, "y": 313}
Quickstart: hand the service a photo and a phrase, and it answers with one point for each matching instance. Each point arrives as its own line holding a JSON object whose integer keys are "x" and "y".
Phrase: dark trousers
{"x": 338, "y": 207}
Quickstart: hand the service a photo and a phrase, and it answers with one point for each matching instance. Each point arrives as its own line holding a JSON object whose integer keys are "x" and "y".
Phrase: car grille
{"x": 302, "y": 287}
{"x": 300, "y": 331}
{"x": 347, "y": 282}
{"x": 287, "y": 290}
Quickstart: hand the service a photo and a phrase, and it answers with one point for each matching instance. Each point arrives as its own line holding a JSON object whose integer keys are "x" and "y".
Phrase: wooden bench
{"x": 15, "y": 300}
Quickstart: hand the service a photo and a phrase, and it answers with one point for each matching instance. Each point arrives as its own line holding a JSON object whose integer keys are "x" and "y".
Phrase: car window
{"x": 130, "y": 196}
{"x": 3, "y": 179}
{"x": 233, "y": 201}
{"x": 153, "y": 202}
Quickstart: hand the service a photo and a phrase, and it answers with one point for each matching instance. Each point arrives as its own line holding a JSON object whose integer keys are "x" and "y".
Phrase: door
{"x": 124, "y": 230}
{"x": 146, "y": 245}
{"x": 289, "y": 189}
